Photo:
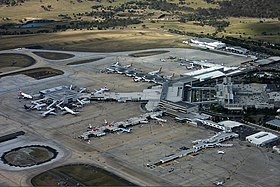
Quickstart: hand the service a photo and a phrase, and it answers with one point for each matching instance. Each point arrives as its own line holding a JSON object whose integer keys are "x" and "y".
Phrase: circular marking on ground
{"x": 29, "y": 155}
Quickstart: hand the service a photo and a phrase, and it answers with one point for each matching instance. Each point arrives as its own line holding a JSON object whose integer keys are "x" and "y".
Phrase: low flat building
{"x": 237, "y": 49}
{"x": 262, "y": 138}
{"x": 208, "y": 43}
{"x": 230, "y": 124}
{"x": 274, "y": 123}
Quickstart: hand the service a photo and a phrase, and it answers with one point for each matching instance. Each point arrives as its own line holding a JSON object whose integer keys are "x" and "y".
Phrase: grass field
{"x": 85, "y": 61}
{"x": 99, "y": 41}
{"x": 147, "y": 53}
{"x": 38, "y": 73}
{"x": 54, "y": 56}
{"x": 73, "y": 174}
{"x": 186, "y": 27}
{"x": 15, "y": 60}
{"x": 264, "y": 29}
{"x": 32, "y": 9}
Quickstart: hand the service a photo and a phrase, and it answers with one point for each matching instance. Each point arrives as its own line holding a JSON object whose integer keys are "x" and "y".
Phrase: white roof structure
{"x": 202, "y": 71}
{"x": 210, "y": 75}
{"x": 261, "y": 138}
{"x": 230, "y": 124}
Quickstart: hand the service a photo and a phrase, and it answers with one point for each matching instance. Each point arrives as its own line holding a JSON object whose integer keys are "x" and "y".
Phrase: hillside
{"x": 251, "y": 20}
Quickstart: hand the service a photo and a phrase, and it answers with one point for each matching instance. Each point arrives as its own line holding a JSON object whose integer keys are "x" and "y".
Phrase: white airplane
{"x": 33, "y": 106}
{"x": 155, "y": 72}
{"x": 58, "y": 105}
{"x": 53, "y": 103}
{"x": 82, "y": 90}
{"x": 91, "y": 128}
{"x": 124, "y": 130}
{"x": 39, "y": 106}
{"x": 221, "y": 152}
{"x": 169, "y": 76}
{"x": 116, "y": 64}
{"x": 137, "y": 79}
{"x": 25, "y": 95}
{"x": 108, "y": 123}
{"x": 83, "y": 101}
{"x": 51, "y": 111}
{"x": 127, "y": 66}
{"x": 68, "y": 110}
{"x": 101, "y": 90}
{"x": 144, "y": 121}
{"x": 218, "y": 183}
{"x": 190, "y": 67}
{"x": 158, "y": 119}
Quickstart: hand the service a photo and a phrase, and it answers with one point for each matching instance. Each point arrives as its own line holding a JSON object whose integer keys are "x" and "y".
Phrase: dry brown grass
{"x": 15, "y": 60}
{"x": 100, "y": 41}
{"x": 54, "y": 56}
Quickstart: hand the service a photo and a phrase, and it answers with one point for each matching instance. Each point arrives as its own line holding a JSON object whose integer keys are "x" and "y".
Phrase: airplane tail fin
{"x": 116, "y": 64}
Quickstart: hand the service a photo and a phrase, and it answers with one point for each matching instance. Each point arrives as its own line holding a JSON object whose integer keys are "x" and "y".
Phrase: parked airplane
{"x": 82, "y": 90}
{"x": 125, "y": 130}
{"x": 190, "y": 67}
{"x": 24, "y": 95}
{"x": 144, "y": 121}
{"x": 138, "y": 76}
{"x": 130, "y": 72}
{"x": 218, "y": 183}
{"x": 169, "y": 76}
{"x": 155, "y": 72}
{"x": 127, "y": 66}
{"x": 53, "y": 103}
{"x": 51, "y": 111}
{"x": 58, "y": 105}
{"x": 112, "y": 68}
{"x": 91, "y": 128}
{"x": 101, "y": 90}
{"x": 83, "y": 101}
{"x": 108, "y": 123}
{"x": 37, "y": 106}
{"x": 158, "y": 119}
{"x": 68, "y": 110}
{"x": 121, "y": 70}
{"x": 149, "y": 78}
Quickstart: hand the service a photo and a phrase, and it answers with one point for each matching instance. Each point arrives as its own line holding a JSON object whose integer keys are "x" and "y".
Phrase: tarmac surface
{"x": 126, "y": 154}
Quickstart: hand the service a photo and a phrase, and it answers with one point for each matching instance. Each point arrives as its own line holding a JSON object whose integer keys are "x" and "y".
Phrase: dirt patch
{"x": 15, "y": 60}
{"x": 72, "y": 175}
{"x": 38, "y": 73}
{"x": 147, "y": 53}
{"x": 54, "y": 56}
{"x": 85, "y": 61}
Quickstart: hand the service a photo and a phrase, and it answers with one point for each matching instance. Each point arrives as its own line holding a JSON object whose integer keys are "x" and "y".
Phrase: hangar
{"x": 262, "y": 138}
